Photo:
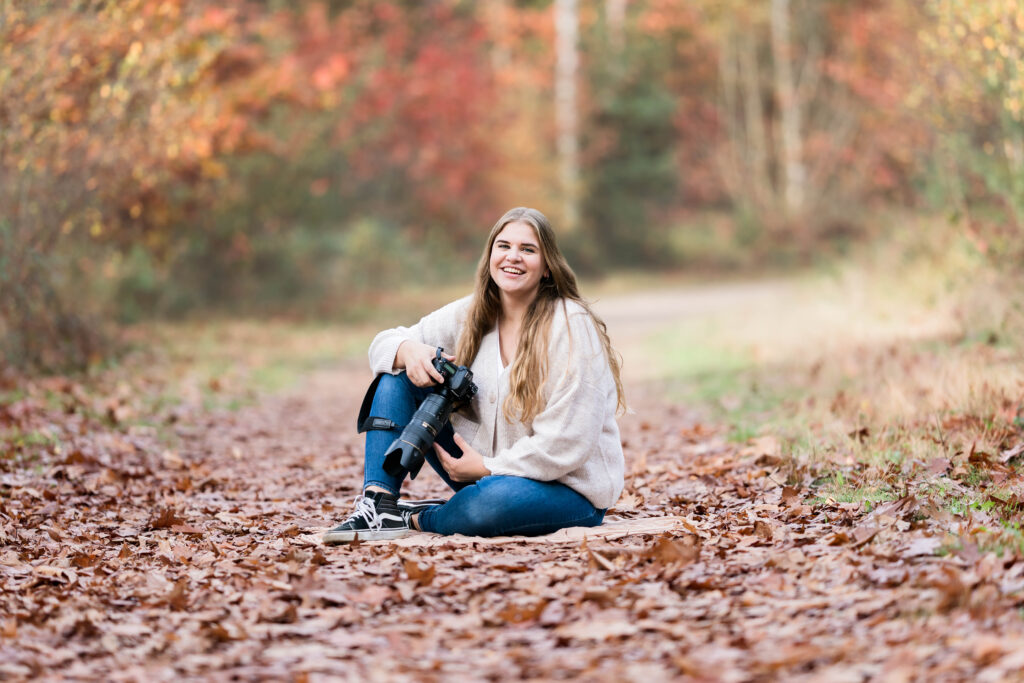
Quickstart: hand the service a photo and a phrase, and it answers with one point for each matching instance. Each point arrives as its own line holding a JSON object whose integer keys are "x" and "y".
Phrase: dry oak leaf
{"x": 288, "y": 615}
{"x": 421, "y": 575}
{"x": 1011, "y": 453}
{"x": 923, "y": 546}
{"x": 604, "y": 625}
{"x": 165, "y": 520}
{"x": 628, "y": 501}
{"x": 763, "y": 529}
{"x": 521, "y": 614}
{"x": 373, "y": 594}
{"x": 762, "y": 446}
{"x": 790, "y": 495}
{"x": 55, "y": 574}
{"x": 668, "y": 550}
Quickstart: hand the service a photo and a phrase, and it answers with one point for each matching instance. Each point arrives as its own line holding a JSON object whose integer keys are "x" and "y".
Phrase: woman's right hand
{"x": 416, "y": 359}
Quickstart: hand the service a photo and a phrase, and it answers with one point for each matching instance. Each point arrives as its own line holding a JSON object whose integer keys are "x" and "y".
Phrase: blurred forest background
{"x": 161, "y": 158}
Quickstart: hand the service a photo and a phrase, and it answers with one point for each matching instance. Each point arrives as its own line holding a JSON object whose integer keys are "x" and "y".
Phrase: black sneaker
{"x": 414, "y": 507}
{"x": 377, "y": 517}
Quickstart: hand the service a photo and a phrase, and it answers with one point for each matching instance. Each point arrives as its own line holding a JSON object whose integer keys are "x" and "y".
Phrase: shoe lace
{"x": 368, "y": 511}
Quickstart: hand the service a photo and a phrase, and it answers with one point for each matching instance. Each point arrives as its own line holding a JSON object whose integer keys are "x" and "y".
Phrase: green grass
{"x": 27, "y": 448}
{"x": 841, "y": 489}
{"x": 172, "y": 371}
{"x": 700, "y": 354}
{"x": 866, "y": 376}
{"x": 11, "y": 396}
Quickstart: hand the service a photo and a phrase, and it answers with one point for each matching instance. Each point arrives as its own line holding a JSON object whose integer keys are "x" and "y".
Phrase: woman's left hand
{"x": 469, "y": 467}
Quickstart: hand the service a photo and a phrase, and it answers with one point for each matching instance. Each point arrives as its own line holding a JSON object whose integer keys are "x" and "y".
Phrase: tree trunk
{"x": 793, "y": 174}
{"x": 566, "y": 118}
{"x": 756, "y": 152}
{"x": 615, "y": 17}
{"x": 495, "y": 13}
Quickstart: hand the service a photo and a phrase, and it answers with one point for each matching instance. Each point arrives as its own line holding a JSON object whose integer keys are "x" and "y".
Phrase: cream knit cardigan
{"x": 573, "y": 440}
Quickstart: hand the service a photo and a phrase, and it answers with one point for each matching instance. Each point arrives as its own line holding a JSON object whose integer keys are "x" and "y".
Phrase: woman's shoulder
{"x": 572, "y": 319}
{"x": 568, "y": 308}
{"x": 575, "y": 338}
{"x": 573, "y": 313}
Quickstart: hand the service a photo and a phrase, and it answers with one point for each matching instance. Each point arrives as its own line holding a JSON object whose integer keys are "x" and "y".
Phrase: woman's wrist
{"x": 399, "y": 362}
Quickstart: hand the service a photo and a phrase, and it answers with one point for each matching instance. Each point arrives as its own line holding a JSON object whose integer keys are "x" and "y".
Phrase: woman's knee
{"x": 394, "y": 393}
{"x": 393, "y": 384}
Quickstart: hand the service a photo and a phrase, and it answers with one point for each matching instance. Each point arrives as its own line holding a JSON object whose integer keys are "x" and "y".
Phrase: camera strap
{"x": 365, "y": 422}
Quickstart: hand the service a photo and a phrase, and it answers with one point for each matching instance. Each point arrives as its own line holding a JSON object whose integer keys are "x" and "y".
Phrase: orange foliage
{"x": 131, "y": 104}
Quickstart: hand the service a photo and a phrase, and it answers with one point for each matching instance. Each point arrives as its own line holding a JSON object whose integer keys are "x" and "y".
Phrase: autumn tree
{"x": 973, "y": 94}
{"x": 182, "y": 138}
{"x": 810, "y": 104}
{"x": 115, "y": 120}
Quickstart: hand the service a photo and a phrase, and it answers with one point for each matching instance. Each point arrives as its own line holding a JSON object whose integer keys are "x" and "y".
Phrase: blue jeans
{"x": 497, "y": 505}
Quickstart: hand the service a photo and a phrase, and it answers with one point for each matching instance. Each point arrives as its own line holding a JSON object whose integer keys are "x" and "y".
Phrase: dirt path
{"x": 120, "y": 561}
{"x": 634, "y": 320}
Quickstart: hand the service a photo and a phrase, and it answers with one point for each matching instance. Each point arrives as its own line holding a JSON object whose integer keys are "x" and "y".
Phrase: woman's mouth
{"x": 510, "y": 270}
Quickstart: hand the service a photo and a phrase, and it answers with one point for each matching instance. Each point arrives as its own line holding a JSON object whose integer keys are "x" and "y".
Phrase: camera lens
{"x": 408, "y": 451}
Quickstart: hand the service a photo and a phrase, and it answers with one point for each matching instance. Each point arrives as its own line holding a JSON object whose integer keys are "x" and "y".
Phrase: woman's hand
{"x": 416, "y": 359}
{"x": 469, "y": 467}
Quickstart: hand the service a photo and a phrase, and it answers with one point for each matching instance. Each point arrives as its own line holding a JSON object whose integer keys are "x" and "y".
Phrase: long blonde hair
{"x": 530, "y": 368}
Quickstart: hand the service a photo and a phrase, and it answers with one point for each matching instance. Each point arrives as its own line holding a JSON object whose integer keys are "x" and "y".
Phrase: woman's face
{"x": 517, "y": 265}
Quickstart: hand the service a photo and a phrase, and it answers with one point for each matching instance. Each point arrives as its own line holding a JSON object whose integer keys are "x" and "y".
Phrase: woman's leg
{"x": 396, "y": 399}
{"x": 511, "y": 506}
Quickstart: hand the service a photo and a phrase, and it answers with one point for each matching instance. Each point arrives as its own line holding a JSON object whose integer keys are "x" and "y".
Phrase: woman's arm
{"x": 440, "y": 328}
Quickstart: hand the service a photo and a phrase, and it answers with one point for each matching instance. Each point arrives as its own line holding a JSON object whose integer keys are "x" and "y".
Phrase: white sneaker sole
{"x": 338, "y": 537}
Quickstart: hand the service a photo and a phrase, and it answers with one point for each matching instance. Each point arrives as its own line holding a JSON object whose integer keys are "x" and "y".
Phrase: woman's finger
{"x": 444, "y": 457}
{"x": 450, "y": 464}
{"x": 422, "y": 374}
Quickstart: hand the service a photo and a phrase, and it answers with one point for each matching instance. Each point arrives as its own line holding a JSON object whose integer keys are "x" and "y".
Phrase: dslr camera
{"x": 408, "y": 450}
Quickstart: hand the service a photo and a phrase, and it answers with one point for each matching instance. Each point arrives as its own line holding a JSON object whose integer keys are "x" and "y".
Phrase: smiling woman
{"x": 517, "y": 268}
{"x": 516, "y": 262}
{"x": 537, "y": 449}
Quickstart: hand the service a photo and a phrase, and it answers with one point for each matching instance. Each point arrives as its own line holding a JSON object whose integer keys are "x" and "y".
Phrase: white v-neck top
{"x": 501, "y": 361}
{"x": 574, "y": 439}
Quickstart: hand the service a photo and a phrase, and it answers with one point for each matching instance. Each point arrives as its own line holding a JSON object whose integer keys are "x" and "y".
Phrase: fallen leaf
{"x": 922, "y": 547}
{"x": 423, "y": 576}
{"x": 1011, "y": 453}
{"x": 668, "y": 550}
{"x": 165, "y": 519}
{"x": 604, "y": 626}
{"x": 790, "y": 495}
{"x": 288, "y": 614}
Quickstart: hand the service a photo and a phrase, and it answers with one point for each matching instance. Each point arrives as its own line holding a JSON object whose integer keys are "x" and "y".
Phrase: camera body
{"x": 458, "y": 379}
{"x": 407, "y": 452}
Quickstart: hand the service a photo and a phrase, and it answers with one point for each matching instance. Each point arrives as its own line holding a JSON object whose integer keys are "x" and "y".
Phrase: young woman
{"x": 537, "y": 449}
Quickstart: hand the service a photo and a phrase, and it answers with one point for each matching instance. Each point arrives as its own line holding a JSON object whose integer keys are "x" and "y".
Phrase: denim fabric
{"x": 397, "y": 398}
{"x": 493, "y": 506}
{"x": 510, "y": 506}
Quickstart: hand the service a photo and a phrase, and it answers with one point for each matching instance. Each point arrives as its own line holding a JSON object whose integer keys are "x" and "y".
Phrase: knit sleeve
{"x": 440, "y": 328}
{"x": 566, "y": 432}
